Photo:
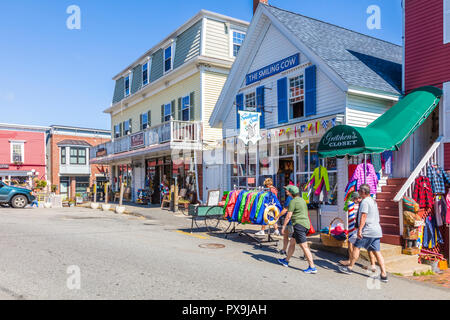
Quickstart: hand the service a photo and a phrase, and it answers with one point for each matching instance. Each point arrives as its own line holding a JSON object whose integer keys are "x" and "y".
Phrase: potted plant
{"x": 72, "y": 203}
{"x": 54, "y": 188}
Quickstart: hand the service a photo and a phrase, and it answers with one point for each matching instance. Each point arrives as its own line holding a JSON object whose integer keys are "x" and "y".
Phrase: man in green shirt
{"x": 298, "y": 213}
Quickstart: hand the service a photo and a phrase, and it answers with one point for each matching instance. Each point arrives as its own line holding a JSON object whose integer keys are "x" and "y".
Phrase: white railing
{"x": 431, "y": 157}
{"x": 172, "y": 131}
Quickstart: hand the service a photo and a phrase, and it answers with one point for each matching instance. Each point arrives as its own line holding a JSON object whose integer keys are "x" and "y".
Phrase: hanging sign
{"x": 341, "y": 137}
{"x": 250, "y": 127}
{"x": 274, "y": 68}
{"x": 137, "y": 140}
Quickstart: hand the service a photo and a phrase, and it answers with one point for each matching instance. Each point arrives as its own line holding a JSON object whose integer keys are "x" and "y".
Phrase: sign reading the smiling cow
{"x": 341, "y": 138}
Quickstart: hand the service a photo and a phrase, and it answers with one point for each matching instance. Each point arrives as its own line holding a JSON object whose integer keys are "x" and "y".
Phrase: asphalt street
{"x": 79, "y": 253}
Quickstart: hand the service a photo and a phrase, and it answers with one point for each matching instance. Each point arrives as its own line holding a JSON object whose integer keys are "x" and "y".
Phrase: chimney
{"x": 257, "y": 2}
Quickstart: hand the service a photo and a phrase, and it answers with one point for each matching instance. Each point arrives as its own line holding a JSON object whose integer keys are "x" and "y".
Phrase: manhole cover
{"x": 212, "y": 246}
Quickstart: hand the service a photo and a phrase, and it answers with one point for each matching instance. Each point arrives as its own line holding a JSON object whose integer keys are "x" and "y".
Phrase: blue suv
{"x": 15, "y": 196}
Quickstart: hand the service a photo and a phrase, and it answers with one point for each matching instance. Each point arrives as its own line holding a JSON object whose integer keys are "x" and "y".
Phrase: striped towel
{"x": 351, "y": 219}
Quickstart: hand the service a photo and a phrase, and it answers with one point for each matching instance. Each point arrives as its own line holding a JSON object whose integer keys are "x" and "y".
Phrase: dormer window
{"x": 127, "y": 86}
{"x": 238, "y": 40}
{"x": 168, "y": 59}
{"x": 145, "y": 73}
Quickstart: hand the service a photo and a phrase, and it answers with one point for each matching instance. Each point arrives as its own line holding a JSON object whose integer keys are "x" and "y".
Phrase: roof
{"x": 62, "y": 127}
{"x": 388, "y": 132}
{"x": 13, "y": 126}
{"x": 202, "y": 13}
{"x": 360, "y": 60}
{"x": 74, "y": 143}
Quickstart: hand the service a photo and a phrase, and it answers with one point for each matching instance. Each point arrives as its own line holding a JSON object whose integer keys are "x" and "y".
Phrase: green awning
{"x": 386, "y": 133}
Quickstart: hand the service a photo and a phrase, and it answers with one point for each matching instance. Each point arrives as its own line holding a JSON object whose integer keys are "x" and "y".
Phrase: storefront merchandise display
{"x": 250, "y": 207}
{"x": 423, "y": 194}
{"x": 365, "y": 174}
{"x": 438, "y": 178}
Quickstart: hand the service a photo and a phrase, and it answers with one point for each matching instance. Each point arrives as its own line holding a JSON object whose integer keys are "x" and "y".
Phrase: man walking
{"x": 352, "y": 237}
{"x": 369, "y": 232}
{"x": 298, "y": 212}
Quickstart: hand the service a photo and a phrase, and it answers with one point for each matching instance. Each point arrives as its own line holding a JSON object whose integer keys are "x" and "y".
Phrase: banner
{"x": 250, "y": 127}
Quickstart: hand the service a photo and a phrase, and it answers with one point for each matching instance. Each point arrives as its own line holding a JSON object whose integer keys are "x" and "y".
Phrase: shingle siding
{"x": 119, "y": 90}
{"x": 188, "y": 45}
{"x": 137, "y": 79}
{"x": 157, "y": 66}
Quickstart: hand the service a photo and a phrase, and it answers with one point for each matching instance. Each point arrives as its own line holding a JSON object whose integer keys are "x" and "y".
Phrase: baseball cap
{"x": 292, "y": 189}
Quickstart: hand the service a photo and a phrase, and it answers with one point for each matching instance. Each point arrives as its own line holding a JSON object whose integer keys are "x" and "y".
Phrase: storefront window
{"x": 308, "y": 161}
{"x": 296, "y": 97}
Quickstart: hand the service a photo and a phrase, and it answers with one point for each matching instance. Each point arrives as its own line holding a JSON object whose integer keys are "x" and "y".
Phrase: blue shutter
{"x": 310, "y": 91}
{"x": 260, "y": 105}
{"x": 282, "y": 101}
{"x": 239, "y": 106}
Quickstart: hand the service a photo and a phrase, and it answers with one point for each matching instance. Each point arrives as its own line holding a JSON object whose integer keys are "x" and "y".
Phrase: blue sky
{"x": 52, "y": 75}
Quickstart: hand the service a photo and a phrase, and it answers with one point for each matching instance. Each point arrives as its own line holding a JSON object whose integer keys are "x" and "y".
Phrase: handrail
{"x": 430, "y": 156}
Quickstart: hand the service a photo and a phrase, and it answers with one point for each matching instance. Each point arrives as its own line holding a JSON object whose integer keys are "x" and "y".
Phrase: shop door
{"x": 213, "y": 179}
{"x": 284, "y": 176}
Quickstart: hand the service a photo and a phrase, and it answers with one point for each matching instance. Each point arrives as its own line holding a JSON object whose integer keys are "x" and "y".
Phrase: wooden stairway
{"x": 388, "y": 209}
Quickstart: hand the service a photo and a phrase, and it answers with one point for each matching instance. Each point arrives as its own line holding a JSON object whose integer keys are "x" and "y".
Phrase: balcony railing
{"x": 172, "y": 131}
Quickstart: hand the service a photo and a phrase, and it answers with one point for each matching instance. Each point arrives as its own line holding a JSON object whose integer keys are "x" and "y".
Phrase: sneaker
{"x": 310, "y": 270}
{"x": 283, "y": 252}
{"x": 260, "y": 233}
{"x": 276, "y": 233}
{"x": 283, "y": 262}
{"x": 345, "y": 270}
{"x": 384, "y": 279}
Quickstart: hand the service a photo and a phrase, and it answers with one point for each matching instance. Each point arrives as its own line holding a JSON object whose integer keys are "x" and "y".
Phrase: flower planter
{"x": 120, "y": 210}
{"x": 106, "y": 207}
{"x": 47, "y": 205}
{"x": 95, "y": 205}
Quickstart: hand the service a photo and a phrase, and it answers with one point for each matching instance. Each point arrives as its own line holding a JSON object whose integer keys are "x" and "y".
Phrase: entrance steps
{"x": 395, "y": 261}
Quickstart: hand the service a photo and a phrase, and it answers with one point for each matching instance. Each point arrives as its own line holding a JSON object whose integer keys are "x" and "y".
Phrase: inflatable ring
{"x": 271, "y": 211}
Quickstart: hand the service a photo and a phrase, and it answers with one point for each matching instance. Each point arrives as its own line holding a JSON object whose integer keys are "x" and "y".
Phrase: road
{"x": 78, "y": 253}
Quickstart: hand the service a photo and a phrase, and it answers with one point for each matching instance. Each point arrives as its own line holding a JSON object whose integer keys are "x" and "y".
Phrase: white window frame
{"x": 148, "y": 64}
{"x": 125, "y": 85}
{"x": 86, "y": 160}
{"x": 289, "y": 96}
{"x": 186, "y": 107}
{"x": 22, "y": 144}
{"x": 232, "y": 31}
{"x": 446, "y": 24}
{"x": 145, "y": 124}
{"x": 171, "y": 46}
{"x": 170, "y": 113}
{"x": 246, "y": 96}
{"x": 117, "y": 132}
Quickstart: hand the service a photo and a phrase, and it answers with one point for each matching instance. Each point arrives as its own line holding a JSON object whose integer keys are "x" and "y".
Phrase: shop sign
{"x": 101, "y": 152}
{"x": 274, "y": 68}
{"x": 4, "y": 166}
{"x": 341, "y": 137}
{"x": 137, "y": 140}
{"x": 250, "y": 127}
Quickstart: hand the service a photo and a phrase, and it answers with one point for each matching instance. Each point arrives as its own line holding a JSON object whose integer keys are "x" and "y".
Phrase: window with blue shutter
{"x": 310, "y": 91}
{"x": 282, "y": 101}
{"x": 239, "y": 106}
{"x": 260, "y": 105}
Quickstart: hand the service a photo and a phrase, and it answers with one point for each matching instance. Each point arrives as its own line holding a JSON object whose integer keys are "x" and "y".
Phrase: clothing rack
{"x": 244, "y": 233}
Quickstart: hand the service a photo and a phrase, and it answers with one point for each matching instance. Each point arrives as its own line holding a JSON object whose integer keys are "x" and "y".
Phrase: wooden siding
{"x": 274, "y": 47}
{"x": 362, "y": 111}
{"x": 217, "y": 40}
{"x": 188, "y": 45}
{"x": 426, "y": 57}
{"x": 213, "y": 84}
{"x": 136, "y": 84}
{"x": 119, "y": 90}
{"x": 157, "y": 66}
{"x": 153, "y": 103}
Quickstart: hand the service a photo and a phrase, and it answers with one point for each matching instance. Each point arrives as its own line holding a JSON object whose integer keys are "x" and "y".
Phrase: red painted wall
{"x": 34, "y": 148}
{"x": 427, "y": 59}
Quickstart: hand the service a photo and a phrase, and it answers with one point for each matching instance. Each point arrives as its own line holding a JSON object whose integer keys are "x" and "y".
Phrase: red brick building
{"x": 68, "y": 151}
{"x": 22, "y": 153}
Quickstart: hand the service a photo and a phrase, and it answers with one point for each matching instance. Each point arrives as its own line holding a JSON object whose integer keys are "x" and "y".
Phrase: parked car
{"x": 15, "y": 196}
